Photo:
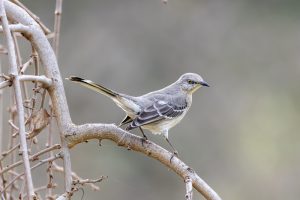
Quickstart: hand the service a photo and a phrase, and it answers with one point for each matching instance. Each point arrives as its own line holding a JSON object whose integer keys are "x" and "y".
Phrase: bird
{"x": 156, "y": 111}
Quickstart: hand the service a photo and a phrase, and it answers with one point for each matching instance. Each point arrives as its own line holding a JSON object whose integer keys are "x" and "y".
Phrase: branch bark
{"x": 36, "y": 36}
{"x": 46, "y": 82}
{"x": 82, "y": 133}
{"x": 72, "y": 134}
{"x": 19, "y": 100}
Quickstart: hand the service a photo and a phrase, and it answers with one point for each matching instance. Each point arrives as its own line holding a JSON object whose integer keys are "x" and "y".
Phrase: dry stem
{"x": 19, "y": 99}
{"x": 31, "y": 158}
{"x": 57, "y": 22}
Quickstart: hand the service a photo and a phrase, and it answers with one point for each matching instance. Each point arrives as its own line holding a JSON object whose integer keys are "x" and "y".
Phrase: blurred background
{"x": 241, "y": 135}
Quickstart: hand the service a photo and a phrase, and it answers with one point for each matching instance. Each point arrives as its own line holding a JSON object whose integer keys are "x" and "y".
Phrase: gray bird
{"x": 157, "y": 111}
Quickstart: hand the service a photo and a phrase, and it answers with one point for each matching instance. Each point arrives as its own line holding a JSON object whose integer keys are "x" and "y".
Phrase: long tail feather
{"x": 93, "y": 86}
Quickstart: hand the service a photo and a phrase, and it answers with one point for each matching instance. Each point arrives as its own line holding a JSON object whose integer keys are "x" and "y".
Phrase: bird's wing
{"x": 157, "y": 111}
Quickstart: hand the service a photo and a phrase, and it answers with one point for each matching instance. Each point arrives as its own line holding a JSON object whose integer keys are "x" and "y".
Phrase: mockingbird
{"x": 157, "y": 111}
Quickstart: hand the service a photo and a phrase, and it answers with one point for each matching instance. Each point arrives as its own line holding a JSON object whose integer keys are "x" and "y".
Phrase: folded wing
{"x": 159, "y": 110}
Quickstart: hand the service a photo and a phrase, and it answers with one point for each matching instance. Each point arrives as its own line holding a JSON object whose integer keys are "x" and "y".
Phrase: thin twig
{"x": 57, "y": 22}
{"x": 36, "y": 18}
{"x": 36, "y": 190}
{"x": 5, "y": 153}
{"x": 36, "y": 73}
{"x": 46, "y": 82}
{"x": 13, "y": 125}
{"x": 19, "y": 63}
{"x": 16, "y": 28}
{"x": 12, "y": 112}
{"x": 4, "y": 84}
{"x": 75, "y": 177}
{"x": 31, "y": 158}
{"x": 85, "y": 181}
{"x": 49, "y": 143}
{"x": 19, "y": 99}
{"x": 26, "y": 65}
{"x": 51, "y": 159}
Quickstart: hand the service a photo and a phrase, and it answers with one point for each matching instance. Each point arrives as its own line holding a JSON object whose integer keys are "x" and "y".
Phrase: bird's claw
{"x": 144, "y": 139}
{"x": 175, "y": 153}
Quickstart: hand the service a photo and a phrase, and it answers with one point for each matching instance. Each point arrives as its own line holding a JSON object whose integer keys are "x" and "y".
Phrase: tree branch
{"x": 57, "y": 22}
{"x": 36, "y": 18}
{"x": 31, "y": 158}
{"x": 58, "y": 168}
{"x": 46, "y": 82}
{"x": 125, "y": 139}
{"x": 5, "y": 84}
{"x": 56, "y": 156}
{"x": 189, "y": 188}
{"x": 19, "y": 100}
{"x": 39, "y": 41}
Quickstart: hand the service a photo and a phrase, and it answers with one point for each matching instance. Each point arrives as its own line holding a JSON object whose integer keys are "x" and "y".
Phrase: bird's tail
{"x": 93, "y": 86}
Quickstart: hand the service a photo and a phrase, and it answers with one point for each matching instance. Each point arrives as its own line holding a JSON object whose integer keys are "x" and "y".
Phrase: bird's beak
{"x": 203, "y": 83}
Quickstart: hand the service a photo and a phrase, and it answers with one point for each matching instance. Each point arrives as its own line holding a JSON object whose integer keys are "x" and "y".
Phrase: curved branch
{"x": 13, "y": 70}
{"x": 46, "y": 82}
{"x": 82, "y": 133}
{"x": 36, "y": 36}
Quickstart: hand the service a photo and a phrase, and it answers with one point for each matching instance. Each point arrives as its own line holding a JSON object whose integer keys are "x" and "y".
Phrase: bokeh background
{"x": 242, "y": 133}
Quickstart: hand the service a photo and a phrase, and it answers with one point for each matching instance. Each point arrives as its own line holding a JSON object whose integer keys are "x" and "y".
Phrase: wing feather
{"x": 157, "y": 111}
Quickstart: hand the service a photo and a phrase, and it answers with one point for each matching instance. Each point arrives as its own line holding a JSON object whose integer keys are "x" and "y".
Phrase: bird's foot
{"x": 175, "y": 153}
{"x": 144, "y": 140}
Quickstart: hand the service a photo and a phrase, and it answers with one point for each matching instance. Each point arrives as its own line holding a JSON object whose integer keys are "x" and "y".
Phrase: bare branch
{"x": 189, "y": 188}
{"x": 4, "y": 84}
{"x": 26, "y": 65}
{"x": 57, "y": 22}
{"x": 56, "y": 91}
{"x": 85, "y": 181}
{"x": 46, "y": 82}
{"x": 36, "y": 18}
{"x": 31, "y": 158}
{"x": 56, "y": 156}
{"x": 82, "y": 133}
{"x": 75, "y": 176}
{"x": 4, "y": 154}
{"x": 19, "y": 101}
{"x": 16, "y": 28}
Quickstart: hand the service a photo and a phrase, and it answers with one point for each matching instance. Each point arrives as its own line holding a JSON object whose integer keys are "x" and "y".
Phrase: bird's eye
{"x": 191, "y": 82}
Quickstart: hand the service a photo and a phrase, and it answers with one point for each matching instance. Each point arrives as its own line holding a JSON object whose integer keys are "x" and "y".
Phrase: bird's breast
{"x": 162, "y": 125}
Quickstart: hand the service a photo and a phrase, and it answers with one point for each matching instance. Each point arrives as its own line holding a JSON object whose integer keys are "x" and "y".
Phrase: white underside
{"x": 163, "y": 126}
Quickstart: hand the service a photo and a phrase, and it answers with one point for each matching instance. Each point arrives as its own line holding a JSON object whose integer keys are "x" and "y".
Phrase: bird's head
{"x": 190, "y": 82}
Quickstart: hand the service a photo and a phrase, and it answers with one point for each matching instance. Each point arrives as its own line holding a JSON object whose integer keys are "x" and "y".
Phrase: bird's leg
{"x": 145, "y": 137}
{"x": 165, "y": 133}
{"x": 175, "y": 152}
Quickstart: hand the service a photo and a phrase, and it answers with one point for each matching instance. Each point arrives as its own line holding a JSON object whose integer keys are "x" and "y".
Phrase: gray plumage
{"x": 156, "y": 111}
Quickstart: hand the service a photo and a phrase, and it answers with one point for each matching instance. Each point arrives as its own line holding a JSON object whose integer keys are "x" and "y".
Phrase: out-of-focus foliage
{"x": 242, "y": 134}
